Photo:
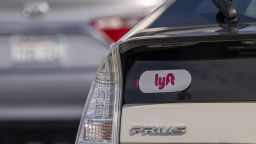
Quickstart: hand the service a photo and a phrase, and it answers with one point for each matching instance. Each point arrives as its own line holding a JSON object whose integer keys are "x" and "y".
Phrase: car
{"x": 185, "y": 74}
{"x": 50, "y": 52}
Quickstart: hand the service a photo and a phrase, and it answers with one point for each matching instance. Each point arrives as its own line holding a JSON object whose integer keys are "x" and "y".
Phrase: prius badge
{"x": 158, "y": 131}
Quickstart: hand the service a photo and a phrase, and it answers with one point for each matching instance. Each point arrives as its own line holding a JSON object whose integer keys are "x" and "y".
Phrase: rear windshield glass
{"x": 201, "y": 12}
{"x": 221, "y": 74}
{"x": 212, "y": 80}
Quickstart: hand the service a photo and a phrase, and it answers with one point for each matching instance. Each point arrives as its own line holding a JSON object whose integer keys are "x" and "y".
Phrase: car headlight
{"x": 100, "y": 120}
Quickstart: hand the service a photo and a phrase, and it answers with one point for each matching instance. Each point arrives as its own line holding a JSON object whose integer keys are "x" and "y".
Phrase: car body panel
{"x": 204, "y": 122}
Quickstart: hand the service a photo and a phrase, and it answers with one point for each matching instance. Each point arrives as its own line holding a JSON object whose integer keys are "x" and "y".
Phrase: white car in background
{"x": 49, "y": 53}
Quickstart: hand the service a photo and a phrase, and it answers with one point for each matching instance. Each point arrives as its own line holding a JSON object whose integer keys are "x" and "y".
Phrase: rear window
{"x": 201, "y": 12}
{"x": 218, "y": 74}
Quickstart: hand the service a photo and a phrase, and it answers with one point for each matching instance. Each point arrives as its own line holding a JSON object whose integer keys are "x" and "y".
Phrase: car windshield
{"x": 202, "y": 12}
{"x": 220, "y": 73}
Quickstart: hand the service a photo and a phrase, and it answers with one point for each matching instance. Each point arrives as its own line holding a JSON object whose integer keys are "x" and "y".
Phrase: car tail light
{"x": 113, "y": 28}
{"x": 99, "y": 123}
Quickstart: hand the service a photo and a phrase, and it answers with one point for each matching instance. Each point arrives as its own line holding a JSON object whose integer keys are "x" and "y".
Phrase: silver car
{"x": 50, "y": 51}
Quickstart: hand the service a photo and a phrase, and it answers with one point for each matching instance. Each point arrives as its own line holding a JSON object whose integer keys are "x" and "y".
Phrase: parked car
{"x": 50, "y": 52}
{"x": 185, "y": 74}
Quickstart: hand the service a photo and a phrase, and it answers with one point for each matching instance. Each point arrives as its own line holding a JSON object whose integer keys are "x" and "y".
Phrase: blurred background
{"x": 50, "y": 51}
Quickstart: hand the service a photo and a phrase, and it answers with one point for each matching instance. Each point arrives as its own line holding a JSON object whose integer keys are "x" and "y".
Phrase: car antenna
{"x": 227, "y": 12}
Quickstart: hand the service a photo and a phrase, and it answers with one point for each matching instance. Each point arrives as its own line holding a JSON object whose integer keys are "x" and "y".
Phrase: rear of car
{"x": 181, "y": 76}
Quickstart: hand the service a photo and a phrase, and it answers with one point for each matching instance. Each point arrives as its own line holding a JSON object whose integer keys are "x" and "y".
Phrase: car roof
{"x": 201, "y": 12}
{"x": 164, "y": 21}
{"x": 145, "y": 34}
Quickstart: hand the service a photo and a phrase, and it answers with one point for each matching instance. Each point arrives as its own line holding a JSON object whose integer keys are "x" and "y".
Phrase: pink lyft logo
{"x": 161, "y": 82}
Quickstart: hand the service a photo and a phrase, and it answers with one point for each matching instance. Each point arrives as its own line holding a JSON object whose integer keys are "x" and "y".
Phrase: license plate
{"x": 45, "y": 49}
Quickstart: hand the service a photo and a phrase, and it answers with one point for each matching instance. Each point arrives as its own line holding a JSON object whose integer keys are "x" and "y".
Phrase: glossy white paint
{"x": 205, "y": 122}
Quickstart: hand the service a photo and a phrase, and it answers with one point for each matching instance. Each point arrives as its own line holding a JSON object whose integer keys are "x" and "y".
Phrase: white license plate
{"x": 38, "y": 49}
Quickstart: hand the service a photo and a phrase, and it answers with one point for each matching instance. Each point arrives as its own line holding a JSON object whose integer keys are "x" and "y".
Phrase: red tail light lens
{"x": 115, "y": 34}
{"x": 113, "y": 28}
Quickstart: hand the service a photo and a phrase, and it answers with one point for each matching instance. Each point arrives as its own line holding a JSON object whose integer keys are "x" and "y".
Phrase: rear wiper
{"x": 227, "y": 12}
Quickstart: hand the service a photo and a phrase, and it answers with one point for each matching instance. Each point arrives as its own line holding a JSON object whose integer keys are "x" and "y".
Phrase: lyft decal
{"x": 164, "y": 81}
{"x": 161, "y": 82}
